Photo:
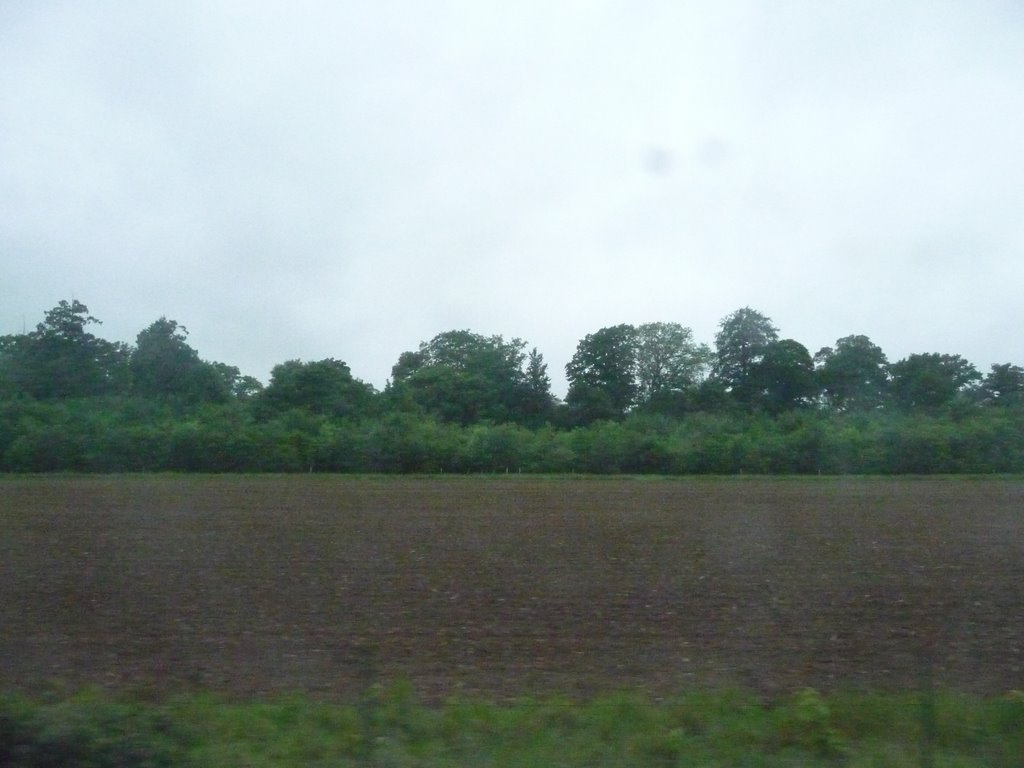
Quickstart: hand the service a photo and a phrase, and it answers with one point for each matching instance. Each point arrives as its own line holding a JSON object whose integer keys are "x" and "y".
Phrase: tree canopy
{"x": 854, "y": 374}
{"x": 783, "y": 378}
{"x": 164, "y": 365}
{"x": 1004, "y": 385}
{"x": 742, "y": 340}
{"x": 323, "y": 387}
{"x": 464, "y": 377}
{"x": 62, "y": 359}
{"x": 602, "y": 373}
{"x": 641, "y": 398}
{"x": 930, "y": 380}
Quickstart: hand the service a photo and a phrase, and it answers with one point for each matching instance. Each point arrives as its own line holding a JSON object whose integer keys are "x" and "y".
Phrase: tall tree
{"x": 602, "y": 373}
{"x": 164, "y": 365}
{"x": 324, "y": 387}
{"x": 1004, "y": 385}
{"x": 465, "y": 377}
{"x": 62, "y": 359}
{"x": 463, "y": 350}
{"x": 241, "y": 386}
{"x": 930, "y": 380}
{"x": 740, "y": 344}
{"x": 668, "y": 360}
{"x": 853, "y": 375}
{"x": 784, "y": 377}
{"x": 537, "y": 404}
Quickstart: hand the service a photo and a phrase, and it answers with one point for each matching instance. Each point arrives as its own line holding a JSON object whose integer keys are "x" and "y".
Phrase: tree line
{"x": 641, "y": 399}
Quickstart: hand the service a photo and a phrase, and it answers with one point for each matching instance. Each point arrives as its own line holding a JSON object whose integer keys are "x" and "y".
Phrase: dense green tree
{"x": 408, "y": 364}
{"x": 454, "y": 395}
{"x": 668, "y": 360}
{"x": 464, "y": 350}
{"x": 241, "y": 386}
{"x": 853, "y": 375}
{"x": 930, "y": 380}
{"x": 164, "y": 365}
{"x": 537, "y": 372}
{"x": 62, "y": 359}
{"x": 639, "y": 402}
{"x": 711, "y": 396}
{"x": 740, "y": 344}
{"x": 602, "y": 374}
{"x": 10, "y": 375}
{"x": 537, "y": 403}
{"x": 655, "y": 367}
{"x": 1004, "y": 385}
{"x": 464, "y": 377}
{"x": 323, "y": 387}
{"x": 784, "y": 377}
{"x": 585, "y": 404}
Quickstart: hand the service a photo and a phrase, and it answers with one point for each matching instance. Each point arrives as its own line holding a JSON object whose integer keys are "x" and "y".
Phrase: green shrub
{"x": 805, "y": 722}
{"x": 88, "y": 732}
{"x": 390, "y": 726}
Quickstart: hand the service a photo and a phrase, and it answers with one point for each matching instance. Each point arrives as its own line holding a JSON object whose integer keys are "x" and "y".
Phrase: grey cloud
{"x": 343, "y": 179}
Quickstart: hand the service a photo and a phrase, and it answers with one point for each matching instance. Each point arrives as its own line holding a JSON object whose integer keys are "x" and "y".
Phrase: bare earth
{"x": 510, "y": 586}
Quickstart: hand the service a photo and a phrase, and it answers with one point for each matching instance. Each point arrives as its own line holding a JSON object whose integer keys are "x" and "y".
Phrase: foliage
{"x": 536, "y": 404}
{"x": 131, "y": 434}
{"x": 668, "y": 360}
{"x": 930, "y": 381}
{"x": 805, "y": 722}
{"x": 853, "y": 375}
{"x": 89, "y": 731}
{"x": 601, "y": 374}
{"x": 1004, "y": 385}
{"x": 465, "y": 378}
{"x": 640, "y": 400}
{"x": 742, "y": 340}
{"x": 61, "y": 359}
{"x": 783, "y": 378}
{"x": 323, "y": 387}
{"x": 390, "y": 726}
{"x": 164, "y": 365}
{"x": 618, "y": 368}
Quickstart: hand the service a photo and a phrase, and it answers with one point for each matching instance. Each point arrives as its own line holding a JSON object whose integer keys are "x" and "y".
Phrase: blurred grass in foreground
{"x": 390, "y": 727}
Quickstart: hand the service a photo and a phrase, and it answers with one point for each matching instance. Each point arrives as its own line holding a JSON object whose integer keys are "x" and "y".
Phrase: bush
{"x": 805, "y": 723}
{"x": 88, "y": 732}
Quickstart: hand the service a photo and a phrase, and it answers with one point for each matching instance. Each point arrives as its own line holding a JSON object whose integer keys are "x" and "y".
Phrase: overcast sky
{"x": 347, "y": 179}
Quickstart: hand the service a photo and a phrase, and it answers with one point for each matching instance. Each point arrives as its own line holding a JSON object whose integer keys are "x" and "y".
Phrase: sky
{"x": 304, "y": 180}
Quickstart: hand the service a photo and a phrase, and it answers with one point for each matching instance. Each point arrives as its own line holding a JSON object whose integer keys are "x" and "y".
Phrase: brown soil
{"x": 510, "y": 586}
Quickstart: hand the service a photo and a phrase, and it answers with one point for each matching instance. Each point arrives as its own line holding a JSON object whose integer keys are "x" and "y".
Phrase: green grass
{"x": 390, "y": 727}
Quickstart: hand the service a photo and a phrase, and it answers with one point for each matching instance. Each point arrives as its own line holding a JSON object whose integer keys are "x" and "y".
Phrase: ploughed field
{"x": 500, "y": 587}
